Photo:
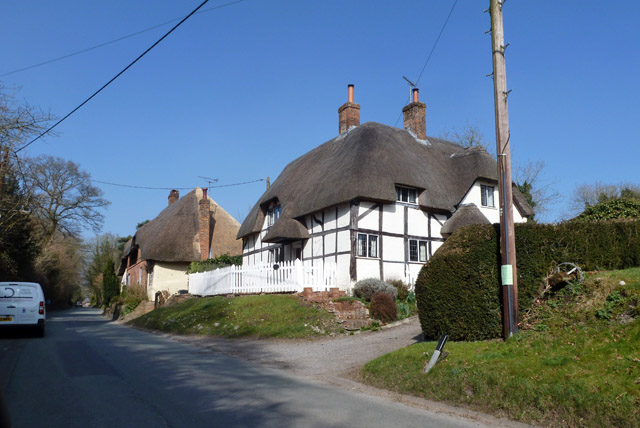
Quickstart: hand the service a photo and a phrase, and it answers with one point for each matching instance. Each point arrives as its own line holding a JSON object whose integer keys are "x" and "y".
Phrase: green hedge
{"x": 458, "y": 290}
{"x": 213, "y": 264}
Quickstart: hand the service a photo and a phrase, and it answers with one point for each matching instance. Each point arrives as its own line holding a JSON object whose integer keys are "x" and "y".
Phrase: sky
{"x": 237, "y": 92}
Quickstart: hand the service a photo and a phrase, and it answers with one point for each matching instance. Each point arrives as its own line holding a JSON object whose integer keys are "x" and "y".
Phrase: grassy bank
{"x": 575, "y": 363}
{"x": 278, "y": 316}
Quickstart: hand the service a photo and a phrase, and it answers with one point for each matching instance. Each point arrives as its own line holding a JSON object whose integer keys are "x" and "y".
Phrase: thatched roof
{"x": 367, "y": 163}
{"x": 173, "y": 236}
{"x": 464, "y": 216}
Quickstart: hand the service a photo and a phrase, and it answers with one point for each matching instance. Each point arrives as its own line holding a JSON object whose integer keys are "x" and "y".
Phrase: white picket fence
{"x": 288, "y": 277}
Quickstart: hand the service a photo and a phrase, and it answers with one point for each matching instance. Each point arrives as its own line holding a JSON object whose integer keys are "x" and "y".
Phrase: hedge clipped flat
{"x": 458, "y": 290}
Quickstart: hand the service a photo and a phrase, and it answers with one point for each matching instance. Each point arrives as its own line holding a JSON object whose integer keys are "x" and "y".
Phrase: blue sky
{"x": 238, "y": 92}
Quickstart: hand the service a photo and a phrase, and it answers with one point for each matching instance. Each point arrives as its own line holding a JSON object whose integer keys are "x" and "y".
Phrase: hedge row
{"x": 458, "y": 290}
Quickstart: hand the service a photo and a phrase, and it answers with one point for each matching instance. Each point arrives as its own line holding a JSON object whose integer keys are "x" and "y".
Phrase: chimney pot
{"x": 415, "y": 117}
{"x": 174, "y": 195}
{"x": 348, "y": 113}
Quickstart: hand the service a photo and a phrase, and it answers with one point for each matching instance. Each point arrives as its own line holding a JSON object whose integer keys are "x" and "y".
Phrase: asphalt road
{"x": 88, "y": 372}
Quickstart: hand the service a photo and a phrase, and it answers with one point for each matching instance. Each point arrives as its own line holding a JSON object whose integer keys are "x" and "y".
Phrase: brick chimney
{"x": 349, "y": 113}
{"x": 204, "y": 225}
{"x": 415, "y": 117}
{"x": 174, "y": 195}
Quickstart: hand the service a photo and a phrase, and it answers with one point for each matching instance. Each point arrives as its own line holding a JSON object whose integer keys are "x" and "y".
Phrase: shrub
{"x": 216, "y": 263}
{"x": 401, "y": 288}
{"x": 366, "y": 288}
{"x": 611, "y": 210}
{"x": 383, "y": 307}
{"x": 459, "y": 293}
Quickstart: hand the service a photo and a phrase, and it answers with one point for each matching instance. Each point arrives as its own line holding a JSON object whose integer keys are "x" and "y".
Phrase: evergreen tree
{"x": 110, "y": 284}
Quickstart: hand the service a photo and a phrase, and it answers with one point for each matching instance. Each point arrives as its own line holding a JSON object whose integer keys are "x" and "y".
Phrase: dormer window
{"x": 406, "y": 194}
{"x": 486, "y": 196}
{"x": 273, "y": 213}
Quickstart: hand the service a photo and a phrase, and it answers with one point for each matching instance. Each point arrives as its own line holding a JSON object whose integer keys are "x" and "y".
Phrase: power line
{"x": 435, "y": 44}
{"x": 173, "y": 188}
{"x": 114, "y": 78}
{"x": 114, "y": 40}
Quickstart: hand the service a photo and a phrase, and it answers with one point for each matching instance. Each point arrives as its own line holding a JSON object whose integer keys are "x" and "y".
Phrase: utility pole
{"x": 507, "y": 234}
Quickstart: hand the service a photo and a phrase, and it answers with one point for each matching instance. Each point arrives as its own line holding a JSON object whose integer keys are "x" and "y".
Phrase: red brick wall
{"x": 204, "y": 227}
{"x": 349, "y": 116}
{"x": 415, "y": 119}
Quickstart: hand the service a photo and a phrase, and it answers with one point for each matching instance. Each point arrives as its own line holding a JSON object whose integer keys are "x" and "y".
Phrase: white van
{"x": 22, "y": 304}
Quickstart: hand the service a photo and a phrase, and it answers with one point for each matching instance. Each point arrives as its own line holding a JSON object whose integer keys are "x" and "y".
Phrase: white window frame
{"x": 408, "y": 195}
{"x": 486, "y": 196}
{"x": 371, "y": 248}
{"x": 273, "y": 213}
{"x": 276, "y": 255}
{"x": 419, "y": 256}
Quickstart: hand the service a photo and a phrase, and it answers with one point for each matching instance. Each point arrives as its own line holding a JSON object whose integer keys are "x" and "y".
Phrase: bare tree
{"x": 63, "y": 198}
{"x": 535, "y": 187}
{"x": 19, "y": 122}
{"x": 529, "y": 176}
{"x": 587, "y": 195}
{"x": 468, "y": 136}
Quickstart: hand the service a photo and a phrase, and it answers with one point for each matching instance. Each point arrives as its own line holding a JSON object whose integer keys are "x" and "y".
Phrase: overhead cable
{"x": 114, "y": 78}
{"x": 173, "y": 188}
{"x": 114, "y": 40}
{"x": 435, "y": 44}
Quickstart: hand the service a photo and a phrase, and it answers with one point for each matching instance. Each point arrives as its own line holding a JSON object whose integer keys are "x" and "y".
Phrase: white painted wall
{"x": 393, "y": 218}
{"x": 393, "y": 247}
{"x": 371, "y": 217}
{"x": 474, "y": 196}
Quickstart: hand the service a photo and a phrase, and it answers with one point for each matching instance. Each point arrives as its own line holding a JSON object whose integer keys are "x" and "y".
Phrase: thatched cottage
{"x": 191, "y": 228}
{"x": 376, "y": 200}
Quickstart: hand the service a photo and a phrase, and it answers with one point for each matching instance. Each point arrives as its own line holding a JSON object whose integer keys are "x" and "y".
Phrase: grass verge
{"x": 277, "y": 316}
{"x": 574, "y": 364}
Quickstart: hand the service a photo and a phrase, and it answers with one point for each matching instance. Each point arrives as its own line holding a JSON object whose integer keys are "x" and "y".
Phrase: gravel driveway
{"x": 337, "y": 356}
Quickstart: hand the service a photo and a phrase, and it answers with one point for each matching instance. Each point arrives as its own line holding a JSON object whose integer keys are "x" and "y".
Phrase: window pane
{"x": 483, "y": 197}
{"x": 405, "y": 194}
{"x": 362, "y": 245}
{"x": 398, "y": 193}
{"x": 412, "y": 196}
{"x": 490, "y": 196}
{"x": 413, "y": 250}
{"x": 373, "y": 246}
{"x": 423, "y": 251}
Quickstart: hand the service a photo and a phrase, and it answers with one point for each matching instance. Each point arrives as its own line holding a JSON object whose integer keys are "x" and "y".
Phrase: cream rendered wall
{"x": 170, "y": 277}
{"x": 474, "y": 196}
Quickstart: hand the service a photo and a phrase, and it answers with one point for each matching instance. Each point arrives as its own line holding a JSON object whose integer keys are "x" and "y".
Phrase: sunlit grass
{"x": 576, "y": 363}
{"x": 281, "y": 316}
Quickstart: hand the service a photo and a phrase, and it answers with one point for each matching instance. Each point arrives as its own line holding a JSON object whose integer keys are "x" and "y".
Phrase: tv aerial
{"x": 411, "y": 86}
{"x": 209, "y": 180}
